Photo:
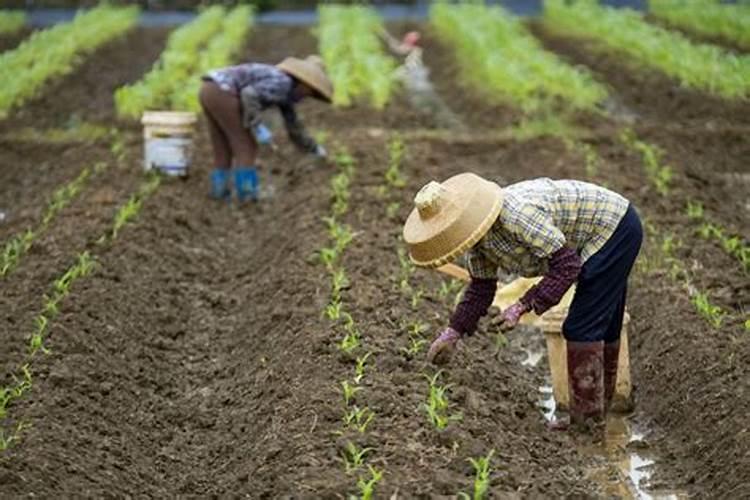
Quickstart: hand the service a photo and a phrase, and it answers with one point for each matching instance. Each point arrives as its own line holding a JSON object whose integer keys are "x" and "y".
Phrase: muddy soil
{"x": 195, "y": 361}
{"x": 31, "y": 171}
{"x": 9, "y": 42}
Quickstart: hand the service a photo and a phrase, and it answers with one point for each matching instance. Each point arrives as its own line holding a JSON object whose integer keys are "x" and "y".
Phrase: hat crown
{"x": 429, "y": 200}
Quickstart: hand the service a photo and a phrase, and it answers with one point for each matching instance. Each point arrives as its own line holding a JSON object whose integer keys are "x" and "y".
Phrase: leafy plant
{"x": 367, "y": 488}
{"x": 57, "y": 51}
{"x": 659, "y": 175}
{"x": 695, "y": 210}
{"x": 11, "y": 21}
{"x": 731, "y": 22}
{"x": 359, "y": 370}
{"x": 358, "y": 418}
{"x": 438, "y": 405}
{"x": 497, "y": 53}
{"x": 414, "y": 348}
{"x": 481, "y": 477}
{"x": 710, "y": 312}
{"x": 349, "y": 391}
{"x": 701, "y": 66}
{"x": 354, "y": 457}
{"x": 396, "y": 151}
{"x": 354, "y": 56}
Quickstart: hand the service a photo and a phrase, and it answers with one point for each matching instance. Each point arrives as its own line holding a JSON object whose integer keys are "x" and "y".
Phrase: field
{"x": 204, "y": 349}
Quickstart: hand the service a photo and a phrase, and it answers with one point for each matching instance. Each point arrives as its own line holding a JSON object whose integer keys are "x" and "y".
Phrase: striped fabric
{"x": 541, "y": 216}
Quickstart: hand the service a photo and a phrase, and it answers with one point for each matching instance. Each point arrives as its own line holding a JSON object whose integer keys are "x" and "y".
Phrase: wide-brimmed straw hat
{"x": 450, "y": 218}
{"x": 311, "y": 72}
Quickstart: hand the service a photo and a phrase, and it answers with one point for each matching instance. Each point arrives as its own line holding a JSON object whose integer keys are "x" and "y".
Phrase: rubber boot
{"x": 220, "y": 187}
{"x": 586, "y": 383}
{"x": 611, "y": 358}
{"x": 246, "y": 184}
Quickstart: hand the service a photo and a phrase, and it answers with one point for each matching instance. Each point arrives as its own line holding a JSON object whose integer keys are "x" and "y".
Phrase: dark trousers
{"x": 598, "y": 306}
{"x": 229, "y": 138}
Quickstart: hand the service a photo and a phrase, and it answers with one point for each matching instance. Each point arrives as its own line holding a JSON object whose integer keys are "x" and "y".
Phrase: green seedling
{"x": 358, "y": 419}
{"x": 501, "y": 341}
{"x": 414, "y": 348}
{"x": 349, "y": 391}
{"x": 14, "y": 249}
{"x": 359, "y": 369}
{"x": 339, "y": 282}
{"x": 710, "y": 312}
{"x": 392, "y": 209}
{"x": 354, "y": 457}
{"x": 437, "y": 405}
{"x": 417, "y": 328}
{"x": 36, "y": 341}
{"x": 7, "y": 441}
{"x": 695, "y": 210}
{"x": 333, "y": 310}
{"x": 449, "y": 287}
{"x": 416, "y": 297}
{"x": 747, "y": 325}
{"x": 659, "y": 175}
{"x": 396, "y": 151}
{"x": 328, "y": 256}
{"x": 481, "y": 477}
{"x": 349, "y": 343}
{"x": 367, "y": 488}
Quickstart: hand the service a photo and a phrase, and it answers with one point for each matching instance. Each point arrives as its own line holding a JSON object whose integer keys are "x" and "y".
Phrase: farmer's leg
{"x": 612, "y": 350}
{"x": 219, "y": 141}
{"x": 226, "y": 110}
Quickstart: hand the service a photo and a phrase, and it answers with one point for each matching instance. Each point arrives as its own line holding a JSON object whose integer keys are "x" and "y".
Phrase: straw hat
{"x": 450, "y": 218}
{"x": 311, "y": 72}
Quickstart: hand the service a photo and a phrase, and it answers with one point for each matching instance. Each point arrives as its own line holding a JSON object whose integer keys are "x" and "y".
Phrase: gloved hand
{"x": 320, "y": 151}
{"x": 262, "y": 134}
{"x": 511, "y": 316}
{"x": 442, "y": 348}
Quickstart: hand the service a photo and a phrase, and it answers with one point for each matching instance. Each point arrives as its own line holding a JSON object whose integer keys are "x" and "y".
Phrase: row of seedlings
{"x": 57, "y": 51}
{"x": 84, "y": 265}
{"x": 356, "y": 419}
{"x": 700, "y": 66}
{"x": 209, "y": 41}
{"x": 437, "y": 408}
{"x": 11, "y": 21}
{"x": 353, "y": 54}
{"x": 729, "y": 22}
{"x": 19, "y": 244}
{"x": 497, "y": 53}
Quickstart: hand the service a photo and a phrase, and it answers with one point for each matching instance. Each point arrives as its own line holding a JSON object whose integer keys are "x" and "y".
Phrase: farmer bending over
{"x": 233, "y": 99}
{"x": 566, "y": 231}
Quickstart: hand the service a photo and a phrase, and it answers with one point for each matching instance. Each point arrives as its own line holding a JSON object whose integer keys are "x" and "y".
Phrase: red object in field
{"x": 411, "y": 38}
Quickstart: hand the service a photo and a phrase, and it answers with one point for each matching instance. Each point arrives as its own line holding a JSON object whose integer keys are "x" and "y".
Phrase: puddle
{"x": 626, "y": 472}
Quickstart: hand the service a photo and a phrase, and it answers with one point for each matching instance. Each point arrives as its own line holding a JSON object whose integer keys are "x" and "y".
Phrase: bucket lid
{"x": 174, "y": 118}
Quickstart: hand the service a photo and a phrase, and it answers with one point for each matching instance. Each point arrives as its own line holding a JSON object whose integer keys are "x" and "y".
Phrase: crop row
{"x": 353, "y": 55}
{"x": 701, "y": 66}
{"x": 57, "y": 51}
{"x": 730, "y": 22}
{"x": 498, "y": 53}
{"x": 207, "y": 42}
{"x": 11, "y": 21}
{"x": 84, "y": 265}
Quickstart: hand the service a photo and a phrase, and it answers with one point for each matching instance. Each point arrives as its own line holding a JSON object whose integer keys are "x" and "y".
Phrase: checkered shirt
{"x": 538, "y": 218}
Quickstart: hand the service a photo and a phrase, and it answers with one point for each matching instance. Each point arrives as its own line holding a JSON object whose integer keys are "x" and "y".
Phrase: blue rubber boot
{"x": 220, "y": 185}
{"x": 246, "y": 183}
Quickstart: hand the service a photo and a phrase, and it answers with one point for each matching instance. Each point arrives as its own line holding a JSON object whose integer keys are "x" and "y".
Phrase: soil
{"x": 8, "y": 42}
{"x": 195, "y": 360}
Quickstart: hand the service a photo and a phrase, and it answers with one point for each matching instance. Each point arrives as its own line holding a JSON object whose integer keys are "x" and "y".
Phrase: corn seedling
{"x": 354, "y": 457}
{"x": 14, "y": 249}
{"x": 333, "y": 310}
{"x": 437, "y": 405}
{"x": 416, "y": 297}
{"x": 701, "y": 66}
{"x": 133, "y": 206}
{"x": 659, "y": 175}
{"x": 57, "y": 51}
{"x": 359, "y": 370}
{"x": 730, "y": 22}
{"x": 481, "y": 477}
{"x": 417, "y": 328}
{"x": 449, "y": 287}
{"x": 414, "y": 348}
{"x": 348, "y": 391}
{"x": 349, "y": 343}
{"x": 694, "y": 210}
{"x": 19, "y": 387}
{"x": 36, "y": 341}
{"x": 339, "y": 282}
{"x": 358, "y": 419}
{"x": 710, "y": 312}
{"x": 392, "y": 210}
{"x": 732, "y": 245}
{"x": 367, "y": 488}
{"x": 396, "y": 151}
{"x": 500, "y": 56}
{"x": 353, "y": 54}
{"x": 747, "y": 325}
{"x": 7, "y": 441}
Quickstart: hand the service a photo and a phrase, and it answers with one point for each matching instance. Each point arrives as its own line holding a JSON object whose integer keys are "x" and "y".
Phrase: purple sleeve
{"x": 476, "y": 301}
{"x": 564, "y": 268}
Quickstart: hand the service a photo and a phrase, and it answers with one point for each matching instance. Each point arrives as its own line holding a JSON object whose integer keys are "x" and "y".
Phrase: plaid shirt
{"x": 541, "y": 216}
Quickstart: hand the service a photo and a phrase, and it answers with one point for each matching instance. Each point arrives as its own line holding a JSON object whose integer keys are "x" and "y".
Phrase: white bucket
{"x": 168, "y": 141}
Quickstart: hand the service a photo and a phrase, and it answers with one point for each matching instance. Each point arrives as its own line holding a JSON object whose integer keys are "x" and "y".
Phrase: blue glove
{"x": 262, "y": 134}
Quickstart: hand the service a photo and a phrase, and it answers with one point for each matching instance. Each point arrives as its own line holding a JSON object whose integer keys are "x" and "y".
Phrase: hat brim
{"x": 296, "y": 70}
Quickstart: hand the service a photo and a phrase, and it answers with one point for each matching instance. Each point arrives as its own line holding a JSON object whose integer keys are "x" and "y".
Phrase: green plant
{"x": 710, "y": 312}
{"x": 358, "y": 418}
{"x": 414, "y": 348}
{"x": 702, "y": 66}
{"x": 339, "y": 282}
{"x": 57, "y": 51}
{"x": 391, "y": 211}
{"x": 354, "y": 457}
{"x": 396, "y": 151}
{"x": 438, "y": 405}
{"x": 481, "y": 467}
{"x": 499, "y": 55}
{"x": 133, "y": 206}
{"x": 36, "y": 341}
{"x": 695, "y": 210}
{"x": 359, "y": 370}
{"x": 659, "y": 175}
{"x": 731, "y": 22}
{"x": 349, "y": 343}
{"x": 367, "y": 488}
{"x": 349, "y": 391}
{"x": 449, "y": 287}
{"x": 353, "y": 54}
{"x": 11, "y": 21}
